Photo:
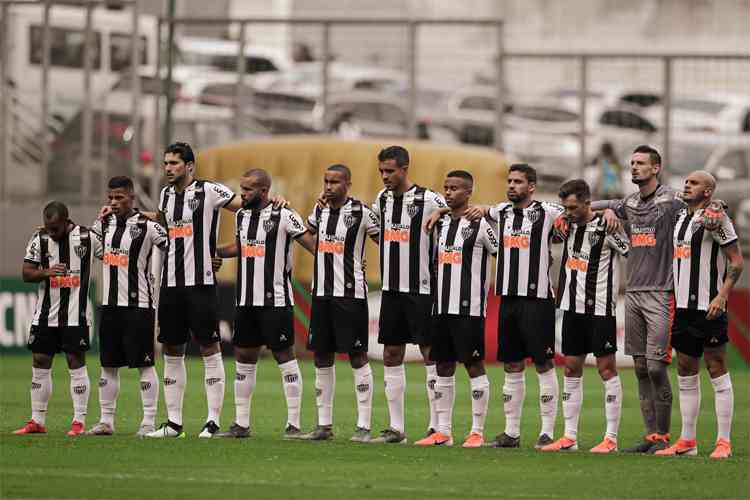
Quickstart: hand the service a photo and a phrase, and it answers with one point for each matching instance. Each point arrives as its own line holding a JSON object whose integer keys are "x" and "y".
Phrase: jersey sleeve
{"x": 495, "y": 210}
{"x": 218, "y": 195}
{"x": 158, "y": 235}
{"x": 619, "y": 242}
{"x": 617, "y": 206}
{"x": 489, "y": 238}
{"x": 97, "y": 238}
{"x": 436, "y": 201}
{"x": 312, "y": 219}
{"x": 376, "y": 204}
{"x": 725, "y": 233}
{"x": 34, "y": 250}
{"x": 371, "y": 222}
{"x": 293, "y": 223}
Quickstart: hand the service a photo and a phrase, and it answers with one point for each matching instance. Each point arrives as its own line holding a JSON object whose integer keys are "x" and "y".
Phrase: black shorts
{"x": 585, "y": 333}
{"x": 692, "y": 333}
{"x": 405, "y": 318}
{"x": 256, "y": 326}
{"x": 457, "y": 338}
{"x": 526, "y": 329}
{"x": 338, "y": 324}
{"x": 126, "y": 337}
{"x": 188, "y": 310}
{"x": 53, "y": 339}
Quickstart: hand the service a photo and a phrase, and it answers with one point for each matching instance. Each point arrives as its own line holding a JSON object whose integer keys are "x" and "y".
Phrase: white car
{"x": 222, "y": 55}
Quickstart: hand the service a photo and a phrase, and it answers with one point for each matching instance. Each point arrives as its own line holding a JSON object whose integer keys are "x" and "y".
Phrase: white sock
{"x": 445, "y": 397}
{"x": 149, "y": 394}
{"x": 613, "y": 405}
{"x": 430, "y": 385}
{"x": 175, "y": 378}
{"x": 480, "y": 401}
{"x": 79, "y": 393}
{"x": 291, "y": 379}
{"x": 325, "y": 387}
{"x": 41, "y": 390}
{"x": 109, "y": 388}
{"x": 363, "y": 383}
{"x": 214, "y": 382}
{"x": 572, "y": 401}
{"x": 549, "y": 393}
{"x": 514, "y": 393}
{"x": 724, "y": 402}
{"x": 244, "y": 385}
{"x": 394, "y": 379}
{"x": 690, "y": 404}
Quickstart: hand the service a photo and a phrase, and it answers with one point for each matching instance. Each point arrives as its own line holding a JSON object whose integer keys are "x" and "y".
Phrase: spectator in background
{"x": 607, "y": 174}
{"x": 301, "y": 53}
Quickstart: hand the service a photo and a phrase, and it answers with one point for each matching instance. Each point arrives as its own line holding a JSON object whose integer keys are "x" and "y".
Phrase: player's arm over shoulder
{"x": 222, "y": 197}
{"x": 489, "y": 238}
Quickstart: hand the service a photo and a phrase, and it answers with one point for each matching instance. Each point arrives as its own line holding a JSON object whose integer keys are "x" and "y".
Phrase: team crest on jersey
{"x": 80, "y": 251}
{"x": 135, "y": 232}
{"x": 412, "y": 209}
{"x": 268, "y": 225}
{"x": 466, "y": 232}
{"x": 594, "y": 238}
{"x": 349, "y": 220}
{"x": 193, "y": 204}
{"x": 533, "y": 215}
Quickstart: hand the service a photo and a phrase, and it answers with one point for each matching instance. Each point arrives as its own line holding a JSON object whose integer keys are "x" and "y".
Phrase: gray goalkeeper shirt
{"x": 649, "y": 222}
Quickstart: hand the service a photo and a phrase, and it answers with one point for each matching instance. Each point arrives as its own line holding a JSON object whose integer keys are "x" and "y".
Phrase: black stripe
{"x": 85, "y": 275}
{"x": 316, "y": 261}
{"x": 696, "y": 247}
{"x": 592, "y": 272}
{"x": 287, "y": 272}
{"x": 46, "y": 300}
{"x": 483, "y": 279}
{"x": 269, "y": 270}
{"x": 381, "y": 246}
{"x": 165, "y": 223}
{"x": 352, "y": 232}
{"x": 580, "y": 233}
{"x": 681, "y": 237}
{"x": 561, "y": 283}
{"x": 114, "y": 269}
{"x": 514, "y": 254}
{"x": 197, "y": 218}
{"x": 179, "y": 243}
{"x": 147, "y": 279}
{"x": 328, "y": 271}
{"x": 535, "y": 254}
{"x": 610, "y": 306}
{"x": 136, "y": 245}
{"x": 447, "y": 268}
{"x": 415, "y": 242}
{"x": 394, "y": 247}
{"x": 238, "y": 281}
{"x": 62, "y": 313}
{"x": 252, "y": 234}
{"x": 714, "y": 272}
{"x": 467, "y": 255}
{"x": 500, "y": 260}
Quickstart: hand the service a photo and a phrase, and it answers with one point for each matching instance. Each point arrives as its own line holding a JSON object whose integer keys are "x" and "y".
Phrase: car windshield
{"x": 699, "y": 105}
{"x": 545, "y": 114}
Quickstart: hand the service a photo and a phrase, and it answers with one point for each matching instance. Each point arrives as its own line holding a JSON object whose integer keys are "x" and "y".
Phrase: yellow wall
{"x": 297, "y": 164}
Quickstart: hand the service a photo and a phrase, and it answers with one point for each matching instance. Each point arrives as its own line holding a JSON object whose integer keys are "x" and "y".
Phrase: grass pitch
{"x": 124, "y": 467}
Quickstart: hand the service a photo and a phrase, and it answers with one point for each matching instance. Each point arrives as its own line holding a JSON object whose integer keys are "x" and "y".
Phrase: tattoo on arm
{"x": 733, "y": 273}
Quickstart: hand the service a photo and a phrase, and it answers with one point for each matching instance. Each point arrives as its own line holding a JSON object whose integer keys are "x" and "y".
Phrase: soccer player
{"x": 264, "y": 298}
{"x": 463, "y": 251}
{"x": 706, "y": 266}
{"x": 188, "y": 301}
{"x": 339, "y": 317}
{"x": 58, "y": 257}
{"x": 650, "y": 216}
{"x": 125, "y": 241}
{"x": 587, "y": 293}
{"x": 407, "y": 299}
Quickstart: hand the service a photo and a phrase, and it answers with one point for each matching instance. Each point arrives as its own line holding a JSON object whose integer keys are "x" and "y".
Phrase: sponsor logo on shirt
{"x": 644, "y": 236}
{"x": 516, "y": 240}
{"x": 398, "y": 233}
{"x": 65, "y": 281}
{"x": 331, "y": 246}
{"x": 254, "y": 249}
{"x": 682, "y": 251}
{"x": 450, "y": 256}
{"x": 180, "y": 230}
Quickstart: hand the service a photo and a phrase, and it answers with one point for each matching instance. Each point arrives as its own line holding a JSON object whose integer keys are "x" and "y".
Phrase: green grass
{"x": 124, "y": 467}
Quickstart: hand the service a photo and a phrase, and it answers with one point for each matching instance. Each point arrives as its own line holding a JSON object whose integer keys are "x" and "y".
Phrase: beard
{"x": 252, "y": 203}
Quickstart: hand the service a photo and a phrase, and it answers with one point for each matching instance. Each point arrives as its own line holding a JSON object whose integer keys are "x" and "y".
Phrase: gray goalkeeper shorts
{"x": 648, "y": 324}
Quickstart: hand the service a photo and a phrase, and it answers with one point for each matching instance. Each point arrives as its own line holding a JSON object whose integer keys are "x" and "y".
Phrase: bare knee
{"x": 544, "y": 367}
{"x": 446, "y": 369}
{"x": 606, "y": 366}
{"x": 425, "y": 350}
{"x": 76, "y": 360}
{"x": 716, "y": 362}
{"x": 393, "y": 355}
{"x": 513, "y": 367}
{"x": 284, "y": 355}
{"x": 574, "y": 366}
{"x": 174, "y": 350}
{"x": 324, "y": 359}
{"x": 210, "y": 350}
{"x": 687, "y": 366}
{"x": 246, "y": 355}
{"x": 41, "y": 360}
{"x": 358, "y": 359}
{"x": 475, "y": 368}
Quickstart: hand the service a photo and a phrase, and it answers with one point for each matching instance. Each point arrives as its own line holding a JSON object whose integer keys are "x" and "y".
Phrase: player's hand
{"x": 560, "y": 227}
{"x": 321, "y": 202}
{"x": 713, "y": 214}
{"x": 612, "y": 221}
{"x": 216, "y": 263}
{"x": 56, "y": 270}
{"x": 104, "y": 212}
{"x": 429, "y": 224}
{"x": 475, "y": 212}
{"x": 279, "y": 202}
{"x": 717, "y": 307}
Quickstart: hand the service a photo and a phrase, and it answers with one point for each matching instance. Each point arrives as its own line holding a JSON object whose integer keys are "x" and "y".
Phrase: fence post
{"x": 4, "y": 100}
{"x": 44, "y": 119}
{"x": 135, "y": 97}
{"x": 582, "y": 110}
{"x": 87, "y": 116}
{"x": 167, "y": 139}
{"x": 157, "y": 154}
{"x": 667, "y": 110}
{"x": 239, "y": 88}
{"x": 324, "y": 76}
{"x": 500, "y": 111}
{"x": 412, "y": 106}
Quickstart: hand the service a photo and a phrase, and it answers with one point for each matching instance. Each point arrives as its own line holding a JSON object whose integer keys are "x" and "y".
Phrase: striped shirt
{"x": 464, "y": 248}
{"x": 192, "y": 221}
{"x": 264, "y": 238}
{"x": 125, "y": 248}
{"x": 699, "y": 267}
{"x": 589, "y": 274}
{"x": 524, "y": 257}
{"x": 340, "y": 249}
{"x": 405, "y": 249}
{"x": 62, "y": 300}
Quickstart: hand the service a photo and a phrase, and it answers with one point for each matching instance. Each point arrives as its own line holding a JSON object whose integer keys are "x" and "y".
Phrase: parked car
{"x": 731, "y": 167}
{"x": 717, "y": 113}
{"x": 222, "y": 55}
{"x": 742, "y": 225}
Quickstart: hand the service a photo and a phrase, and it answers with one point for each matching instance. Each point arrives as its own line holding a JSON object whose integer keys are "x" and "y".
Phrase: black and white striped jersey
{"x": 523, "y": 260}
{"x": 264, "y": 270}
{"x": 463, "y": 271}
{"x": 192, "y": 220}
{"x": 589, "y": 269}
{"x": 699, "y": 266}
{"x": 340, "y": 249}
{"x": 125, "y": 248}
{"x": 406, "y": 251}
{"x": 62, "y": 300}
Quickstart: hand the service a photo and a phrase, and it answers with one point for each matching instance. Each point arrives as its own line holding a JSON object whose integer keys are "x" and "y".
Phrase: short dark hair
{"x": 526, "y": 169}
{"x": 461, "y": 174}
{"x": 339, "y": 167}
{"x": 261, "y": 174}
{"x": 397, "y": 153}
{"x": 653, "y": 155}
{"x": 121, "y": 181}
{"x": 55, "y": 209}
{"x": 577, "y": 187}
{"x": 182, "y": 149}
